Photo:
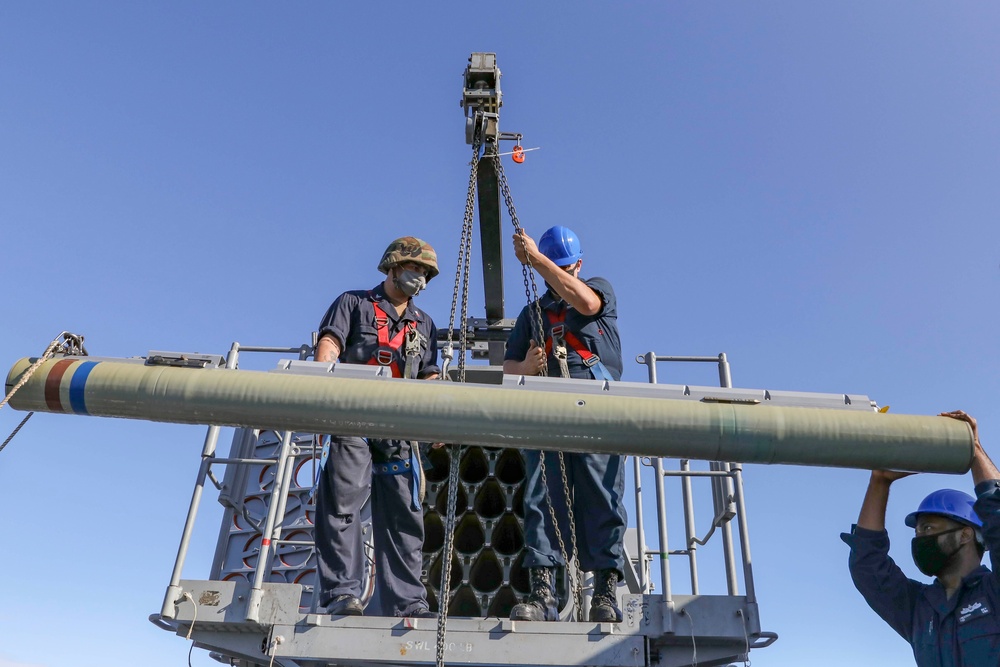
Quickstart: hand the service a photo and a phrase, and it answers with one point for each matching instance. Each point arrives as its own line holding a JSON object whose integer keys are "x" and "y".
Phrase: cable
{"x": 194, "y": 619}
{"x": 14, "y": 432}
{"x": 187, "y": 596}
{"x": 694, "y": 644}
{"x": 746, "y": 637}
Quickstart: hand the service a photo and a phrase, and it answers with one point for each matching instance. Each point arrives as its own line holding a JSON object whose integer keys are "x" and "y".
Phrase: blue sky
{"x": 808, "y": 187}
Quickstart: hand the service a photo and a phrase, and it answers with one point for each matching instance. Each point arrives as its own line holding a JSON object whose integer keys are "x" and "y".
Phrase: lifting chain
{"x": 455, "y": 451}
{"x": 530, "y": 291}
{"x": 576, "y": 585}
{"x": 538, "y": 330}
{"x": 70, "y": 344}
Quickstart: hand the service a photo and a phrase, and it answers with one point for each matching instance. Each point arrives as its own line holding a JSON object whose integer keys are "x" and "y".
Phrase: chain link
{"x": 455, "y": 451}
{"x": 462, "y": 270}
{"x": 575, "y": 578}
{"x": 448, "y": 551}
{"x": 531, "y": 292}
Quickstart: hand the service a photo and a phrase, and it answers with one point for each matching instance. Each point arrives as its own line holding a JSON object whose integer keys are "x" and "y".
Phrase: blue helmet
{"x": 950, "y": 503}
{"x": 561, "y": 245}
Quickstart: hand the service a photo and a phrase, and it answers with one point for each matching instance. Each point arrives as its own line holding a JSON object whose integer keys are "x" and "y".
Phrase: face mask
{"x": 410, "y": 282}
{"x": 928, "y": 555}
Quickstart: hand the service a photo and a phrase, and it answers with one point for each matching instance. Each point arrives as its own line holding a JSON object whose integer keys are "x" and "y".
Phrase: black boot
{"x": 604, "y": 605}
{"x": 345, "y": 605}
{"x": 541, "y": 604}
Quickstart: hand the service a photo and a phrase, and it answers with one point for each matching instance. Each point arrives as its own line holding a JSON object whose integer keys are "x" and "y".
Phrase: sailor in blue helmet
{"x": 383, "y": 327}
{"x": 954, "y": 621}
{"x": 579, "y": 339}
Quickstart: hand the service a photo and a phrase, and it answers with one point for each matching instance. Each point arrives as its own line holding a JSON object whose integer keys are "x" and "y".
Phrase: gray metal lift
{"x": 257, "y": 607}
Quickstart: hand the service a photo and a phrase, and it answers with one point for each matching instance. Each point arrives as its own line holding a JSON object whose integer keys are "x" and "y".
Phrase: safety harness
{"x": 412, "y": 343}
{"x": 560, "y": 337}
{"x": 408, "y": 338}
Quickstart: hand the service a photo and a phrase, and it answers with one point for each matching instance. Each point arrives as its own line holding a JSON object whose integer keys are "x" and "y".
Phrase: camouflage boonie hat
{"x": 410, "y": 249}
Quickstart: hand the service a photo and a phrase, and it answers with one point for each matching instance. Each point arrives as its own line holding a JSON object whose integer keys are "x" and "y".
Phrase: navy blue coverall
{"x": 347, "y": 478}
{"x": 596, "y": 481}
{"x": 963, "y": 631}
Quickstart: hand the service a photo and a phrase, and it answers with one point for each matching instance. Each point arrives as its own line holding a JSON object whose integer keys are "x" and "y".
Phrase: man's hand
{"x": 533, "y": 363}
{"x": 889, "y": 476}
{"x": 983, "y": 468}
{"x": 960, "y": 415}
{"x": 524, "y": 247}
{"x": 534, "y": 360}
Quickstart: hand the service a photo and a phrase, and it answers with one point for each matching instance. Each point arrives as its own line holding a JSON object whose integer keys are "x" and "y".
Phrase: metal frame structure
{"x": 255, "y": 621}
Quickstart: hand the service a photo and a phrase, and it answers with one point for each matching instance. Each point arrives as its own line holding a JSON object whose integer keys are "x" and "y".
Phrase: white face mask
{"x": 410, "y": 282}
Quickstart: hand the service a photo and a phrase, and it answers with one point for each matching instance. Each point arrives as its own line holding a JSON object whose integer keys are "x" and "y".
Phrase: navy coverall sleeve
{"x": 988, "y": 508}
{"x": 337, "y": 320}
{"x": 520, "y": 338}
{"x": 603, "y": 289}
{"x": 877, "y": 577}
{"x": 428, "y": 363}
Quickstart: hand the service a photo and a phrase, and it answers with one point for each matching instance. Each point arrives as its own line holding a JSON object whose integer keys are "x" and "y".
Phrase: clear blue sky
{"x": 808, "y": 187}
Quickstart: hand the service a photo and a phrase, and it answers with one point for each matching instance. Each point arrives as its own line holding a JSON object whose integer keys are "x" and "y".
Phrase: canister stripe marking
{"x": 52, "y": 383}
{"x": 76, "y": 386}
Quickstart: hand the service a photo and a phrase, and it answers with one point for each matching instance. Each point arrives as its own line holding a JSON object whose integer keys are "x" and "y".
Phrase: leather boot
{"x": 541, "y": 604}
{"x": 604, "y": 604}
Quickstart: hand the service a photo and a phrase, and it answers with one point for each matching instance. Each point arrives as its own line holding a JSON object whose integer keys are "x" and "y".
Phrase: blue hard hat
{"x": 949, "y": 503}
{"x": 561, "y": 245}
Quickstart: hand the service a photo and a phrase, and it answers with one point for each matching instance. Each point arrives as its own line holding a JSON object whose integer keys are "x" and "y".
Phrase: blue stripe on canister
{"x": 76, "y": 386}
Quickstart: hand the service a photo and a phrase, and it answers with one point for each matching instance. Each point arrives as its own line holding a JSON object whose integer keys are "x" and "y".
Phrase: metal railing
{"x": 271, "y": 528}
{"x": 727, "y": 499}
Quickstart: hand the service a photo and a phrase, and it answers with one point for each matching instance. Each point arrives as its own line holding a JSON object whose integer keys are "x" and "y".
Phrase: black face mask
{"x": 928, "y": 555}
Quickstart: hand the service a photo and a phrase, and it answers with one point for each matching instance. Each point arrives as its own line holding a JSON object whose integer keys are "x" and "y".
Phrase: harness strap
{"x": 384, "y": 355}
{"x": 398, "y": 467}
{"x": 408, "y": 467}
{"x": 561, "y": 337}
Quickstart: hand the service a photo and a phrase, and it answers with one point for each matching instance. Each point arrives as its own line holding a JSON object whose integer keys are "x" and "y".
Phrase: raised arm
{"x": 573, "y": 290}
{"x": 872, "y": 515}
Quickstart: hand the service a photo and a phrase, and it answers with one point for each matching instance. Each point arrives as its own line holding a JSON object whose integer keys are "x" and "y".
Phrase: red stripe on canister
{"x": 52, "y": 383}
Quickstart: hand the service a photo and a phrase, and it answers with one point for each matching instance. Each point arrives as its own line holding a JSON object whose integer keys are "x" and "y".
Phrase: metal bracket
{"x": 184, "y": 359}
